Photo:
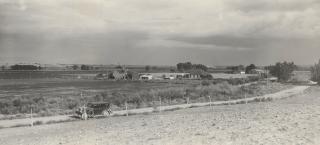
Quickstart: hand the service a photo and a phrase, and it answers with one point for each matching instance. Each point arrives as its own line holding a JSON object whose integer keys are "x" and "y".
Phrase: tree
{"x": 283, "y": 71}
{"x": 184, "y": 66}
{"x": 189, "y": 66}
{"x": 147, "y": 68}
{"x": 24, "y": 67}
{"x": 315, "y": 73}
{"x": 236, "y": 69}
{"x": 200, "y": 66}
{"x": 154, "y": 67}
{"x": 118, "y": 67}
{"x": 250, "y": 67}
{"x": 110, "y": 75}
{"x": 85, "y": 67}
{"x": 132, "y": 75}
{"x": 75, "y": 67}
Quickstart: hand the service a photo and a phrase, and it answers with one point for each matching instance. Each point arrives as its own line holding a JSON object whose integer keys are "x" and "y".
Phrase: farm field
{"x": 289, "y": 121}
{"x": 66, "y": 118}
{"x": 228, "y": 76}
{"x": 45, "y": 74}
{"x": 54, "y": 87}
{"x": 62, "y": 92}
{"x": 50, "y": 97}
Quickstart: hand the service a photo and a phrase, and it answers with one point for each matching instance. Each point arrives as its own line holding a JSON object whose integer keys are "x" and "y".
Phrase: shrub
{"x": 20, "y": 125}
{"x": 205, "y": 83}
{"x": 135, "y": 99}
{"x": 71, "y": 103}
{"x": 283, "y": 71}
{"x": 118, "y": 98}
{"x": 37, "y": 122}
{"x": 253, "y": 78}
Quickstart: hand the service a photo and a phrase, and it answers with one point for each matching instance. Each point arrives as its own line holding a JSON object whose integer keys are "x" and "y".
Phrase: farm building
{"x": 272, "y": 79}
{"x": 117, "y": 75}
{"x": 193, "y": 76}
{"x": 258, "y": 71}
{"x": 168, "y": 76}
{"x": 146, "y": 77}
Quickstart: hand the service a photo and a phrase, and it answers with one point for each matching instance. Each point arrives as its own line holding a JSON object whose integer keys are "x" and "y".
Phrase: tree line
{"x": 187, "y": 66}
{"x": 25, "y": 67}
{"x": 282, "y": 70}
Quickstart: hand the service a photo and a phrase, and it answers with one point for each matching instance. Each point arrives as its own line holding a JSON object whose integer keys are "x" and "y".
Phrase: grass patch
{"x": 37, "y": 123}
{"x": 20, "y": 125}
{"x": 58, "y": 121}
{"x": 136, "y": 94}
{"x": 173, "y": 109}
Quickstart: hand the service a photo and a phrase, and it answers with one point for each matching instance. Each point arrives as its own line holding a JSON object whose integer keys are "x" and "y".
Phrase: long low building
{"x": 168, "y": 76}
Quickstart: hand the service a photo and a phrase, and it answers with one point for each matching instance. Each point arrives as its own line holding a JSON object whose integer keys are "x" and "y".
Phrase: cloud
{"x": 272, "y": 6}
{"x": 121, "y": 27}
{"x": 248, "y": 42}
{"x": 76, "y": 48}
{"x": 185, "y": 43}
{"x": 164, "y": 17}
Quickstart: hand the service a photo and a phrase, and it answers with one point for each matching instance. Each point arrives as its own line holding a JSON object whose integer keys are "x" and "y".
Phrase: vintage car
{"x": 93, "y": 109}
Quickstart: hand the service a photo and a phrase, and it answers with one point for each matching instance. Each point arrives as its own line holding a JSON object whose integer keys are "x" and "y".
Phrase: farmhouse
{"x": 164, "y": 76}
{"x": 193, "y": 76}
{"x": 168, "y": 76}
{"x": 257, "y": 71}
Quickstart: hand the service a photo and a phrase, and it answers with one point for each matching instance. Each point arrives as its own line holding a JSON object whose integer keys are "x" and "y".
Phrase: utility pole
{"x": 245, "y": 97}
{"x": 211, "y": 106}
{"x": 127, "y": 113}
{"x": 160, "y": 104}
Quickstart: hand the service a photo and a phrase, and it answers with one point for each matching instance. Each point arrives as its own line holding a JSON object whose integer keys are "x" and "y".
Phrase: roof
{"x": 97, "y": 103}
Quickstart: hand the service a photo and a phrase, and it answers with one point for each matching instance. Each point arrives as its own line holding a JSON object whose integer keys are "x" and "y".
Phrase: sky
{"x": 160, "y": 32}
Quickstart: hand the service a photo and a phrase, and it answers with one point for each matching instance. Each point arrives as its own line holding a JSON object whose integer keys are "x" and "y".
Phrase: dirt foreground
{"x": 292, "y": 121}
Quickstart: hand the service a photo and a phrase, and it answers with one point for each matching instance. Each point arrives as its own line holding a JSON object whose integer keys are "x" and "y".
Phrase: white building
{"x": 163, "y": 76}
{"x": 146, "y": 77}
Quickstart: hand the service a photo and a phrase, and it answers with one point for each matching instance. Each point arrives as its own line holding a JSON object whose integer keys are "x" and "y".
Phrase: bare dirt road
{"x": 291, "y": 121}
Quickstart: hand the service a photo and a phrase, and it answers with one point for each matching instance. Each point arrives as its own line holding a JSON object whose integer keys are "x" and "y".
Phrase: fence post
{"x": 211, "y": 106}
{"x": 224, "y": 93}
{"x": 245, "y": 97}
{"x": 127, "y": 113}
{"x": 160, "y": 104}
{"x": 31, "y": 117}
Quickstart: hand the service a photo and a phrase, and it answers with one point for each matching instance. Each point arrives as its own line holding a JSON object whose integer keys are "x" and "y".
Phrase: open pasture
{"x": 53, "y": 87}
{"x": 230, "y": 76}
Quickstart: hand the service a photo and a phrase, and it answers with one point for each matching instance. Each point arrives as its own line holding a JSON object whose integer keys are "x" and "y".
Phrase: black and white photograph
{"x": 159, "y": 72}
